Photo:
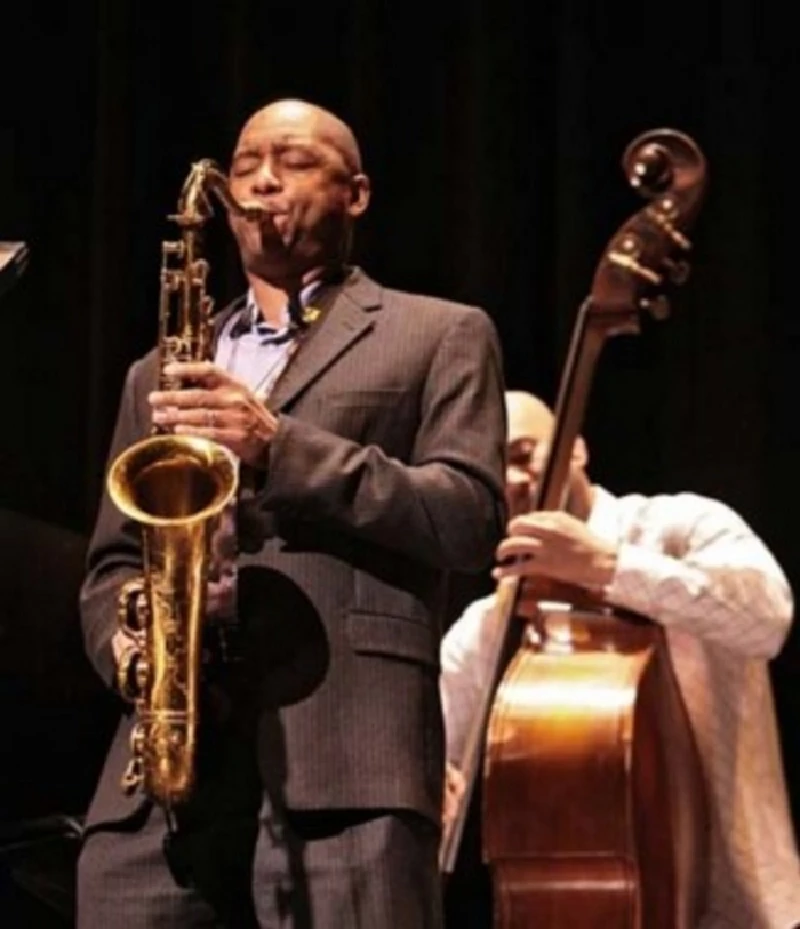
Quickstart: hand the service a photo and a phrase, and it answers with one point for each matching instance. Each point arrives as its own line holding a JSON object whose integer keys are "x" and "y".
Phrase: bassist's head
{"x": 529, "y": 429}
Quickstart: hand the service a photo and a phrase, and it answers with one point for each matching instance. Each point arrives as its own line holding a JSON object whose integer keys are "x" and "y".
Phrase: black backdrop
{"x": 493, "y": 131}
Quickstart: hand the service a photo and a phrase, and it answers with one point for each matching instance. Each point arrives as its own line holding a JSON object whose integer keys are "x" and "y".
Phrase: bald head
{"x": 298, "y": 118}
{"x": 528, "y": 417}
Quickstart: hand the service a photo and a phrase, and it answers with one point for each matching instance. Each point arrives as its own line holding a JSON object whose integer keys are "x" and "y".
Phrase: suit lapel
{"x": 346, "y": 318}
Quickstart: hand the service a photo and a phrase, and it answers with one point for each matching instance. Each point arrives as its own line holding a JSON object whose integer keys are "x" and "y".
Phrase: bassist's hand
{"x": 556, "y": 545}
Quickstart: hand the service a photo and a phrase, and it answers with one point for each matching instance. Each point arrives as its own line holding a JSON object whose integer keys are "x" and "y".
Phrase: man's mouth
{"x": 278, "y": 228}
{"x": 267, "y": 209}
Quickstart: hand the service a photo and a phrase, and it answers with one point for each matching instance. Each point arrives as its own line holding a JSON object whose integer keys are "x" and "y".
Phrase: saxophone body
{"x": 175, "y": 488}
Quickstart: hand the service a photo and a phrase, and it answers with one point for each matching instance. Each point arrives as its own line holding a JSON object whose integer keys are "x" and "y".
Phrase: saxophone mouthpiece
{"x": 254, "y": 212}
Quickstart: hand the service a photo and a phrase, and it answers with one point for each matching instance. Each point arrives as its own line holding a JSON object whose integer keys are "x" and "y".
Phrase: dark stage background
{"x": 492, "y": 130}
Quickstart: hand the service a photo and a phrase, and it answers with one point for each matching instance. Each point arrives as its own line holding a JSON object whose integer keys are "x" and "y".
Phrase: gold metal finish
{"x": 174, "y": 487}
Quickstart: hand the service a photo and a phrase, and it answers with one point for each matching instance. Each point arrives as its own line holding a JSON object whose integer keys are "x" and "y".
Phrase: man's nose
{"x": 266, "y": 179}
{"x": 537, "y": 462}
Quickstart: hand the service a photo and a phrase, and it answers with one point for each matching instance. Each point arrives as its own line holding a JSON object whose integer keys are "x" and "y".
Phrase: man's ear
{"x": 359, "y": 195}
{"x": 580, "y": 454}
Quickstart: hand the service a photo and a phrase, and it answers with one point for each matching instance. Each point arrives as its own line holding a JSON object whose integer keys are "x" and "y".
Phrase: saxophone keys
{"x": 133, "y": 776}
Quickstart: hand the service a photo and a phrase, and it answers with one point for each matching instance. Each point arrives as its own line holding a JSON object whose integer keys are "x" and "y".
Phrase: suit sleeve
{"x": 444, "y": 508}
{"x": 114, "y": 553}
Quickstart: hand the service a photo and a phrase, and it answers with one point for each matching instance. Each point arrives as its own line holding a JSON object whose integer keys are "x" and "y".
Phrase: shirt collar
{"x": 248, "y": 321}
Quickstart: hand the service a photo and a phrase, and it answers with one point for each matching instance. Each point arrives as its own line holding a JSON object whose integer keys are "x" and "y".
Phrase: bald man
{"x": 369, "y": 429}
{"x": 692, "y": 565}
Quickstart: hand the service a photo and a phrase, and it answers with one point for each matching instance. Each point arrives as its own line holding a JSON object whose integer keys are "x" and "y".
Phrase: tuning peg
{"x": 658, "y": 306}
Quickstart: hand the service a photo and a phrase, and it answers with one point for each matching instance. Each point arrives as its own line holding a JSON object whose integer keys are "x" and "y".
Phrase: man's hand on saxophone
{"x": 216, "y": 406}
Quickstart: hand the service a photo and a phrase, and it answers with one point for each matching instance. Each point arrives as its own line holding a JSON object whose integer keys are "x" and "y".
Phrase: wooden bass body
{"x": 594, "y": 803}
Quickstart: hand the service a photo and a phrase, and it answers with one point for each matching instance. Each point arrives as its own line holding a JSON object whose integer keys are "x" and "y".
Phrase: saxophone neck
{"x": 194, "y": 204}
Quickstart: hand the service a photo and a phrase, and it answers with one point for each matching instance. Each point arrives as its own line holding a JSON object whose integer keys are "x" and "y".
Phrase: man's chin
{"x": 273, "y": 260}
{"x": 279, "y": 268}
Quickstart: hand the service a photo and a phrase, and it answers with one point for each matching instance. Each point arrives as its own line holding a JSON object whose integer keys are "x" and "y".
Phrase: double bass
{"x": 594, "y": 809}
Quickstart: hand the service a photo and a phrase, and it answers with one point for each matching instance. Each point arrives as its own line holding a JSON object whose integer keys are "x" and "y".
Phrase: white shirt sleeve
{"x": 466, "y": 655}
{"x": 692, "y": 563}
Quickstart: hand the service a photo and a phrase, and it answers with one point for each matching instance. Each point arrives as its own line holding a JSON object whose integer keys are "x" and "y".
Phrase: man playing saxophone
{"x": 368, "y": 429}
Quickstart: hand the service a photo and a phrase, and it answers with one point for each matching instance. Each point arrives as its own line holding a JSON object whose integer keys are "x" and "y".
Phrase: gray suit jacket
{"x": 386, "y": 474}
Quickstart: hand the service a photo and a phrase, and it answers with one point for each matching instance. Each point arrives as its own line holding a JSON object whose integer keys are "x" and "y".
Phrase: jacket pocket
{"x": 392, "y": 636}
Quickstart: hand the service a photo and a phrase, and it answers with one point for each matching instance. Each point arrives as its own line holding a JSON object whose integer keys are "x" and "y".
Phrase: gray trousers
{"x": 336, "y": 870}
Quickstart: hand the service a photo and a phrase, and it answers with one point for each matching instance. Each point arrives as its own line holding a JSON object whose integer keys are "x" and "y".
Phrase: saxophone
{"x": 175, "y": 488}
